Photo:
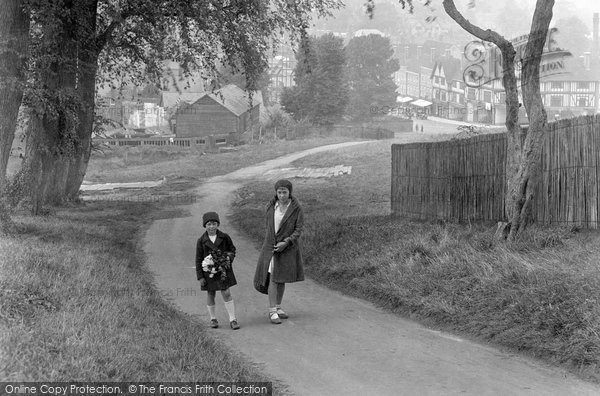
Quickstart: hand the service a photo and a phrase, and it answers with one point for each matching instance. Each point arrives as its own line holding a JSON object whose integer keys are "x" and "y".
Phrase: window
{"x": 471, "y": 93}
{"x": 556, "y": 101}
{"x": 582, "y": 101}
{"x": 487, "y": 96}
{"x": 443, "y": 81}
{"x": 443, "y": 97}
{"x": 583, "y": 85}
{"x": 555, "y": 85}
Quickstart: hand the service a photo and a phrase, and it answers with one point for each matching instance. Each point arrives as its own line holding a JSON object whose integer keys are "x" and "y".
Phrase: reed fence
{"x": 464, "y": 179}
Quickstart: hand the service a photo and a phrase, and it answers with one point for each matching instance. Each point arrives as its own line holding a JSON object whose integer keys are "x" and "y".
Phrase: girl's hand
{"x": 280, "y": 247}
{"x": 203, "y": 282}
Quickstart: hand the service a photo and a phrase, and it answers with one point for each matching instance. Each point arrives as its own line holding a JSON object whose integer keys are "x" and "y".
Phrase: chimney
{"x": 406, "y": 51}
{"x": 419, "y": 49}
{"x": 432, "y": 55}
{"x": 587, "y": 58}
{"x": 447, "y": 53}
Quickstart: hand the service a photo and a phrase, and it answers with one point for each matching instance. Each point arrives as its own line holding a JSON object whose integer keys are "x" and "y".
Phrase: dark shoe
{"x": 214, "y": 323}
{"x": 274, "y": 318}
{"x": 234, "y": 325}
{"x": 282, "y": 314}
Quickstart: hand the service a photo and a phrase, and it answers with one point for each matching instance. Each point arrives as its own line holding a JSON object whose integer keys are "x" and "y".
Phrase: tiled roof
{"x": 235, "y": 99}
{"x": 173, "y": 99}
{"x": 451, "y": 67}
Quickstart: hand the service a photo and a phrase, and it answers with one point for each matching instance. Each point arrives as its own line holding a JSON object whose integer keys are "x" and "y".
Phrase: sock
{"x": 229, "y": 306}
{"x": 272, "y": 310}
{"x": 211, "y": 311}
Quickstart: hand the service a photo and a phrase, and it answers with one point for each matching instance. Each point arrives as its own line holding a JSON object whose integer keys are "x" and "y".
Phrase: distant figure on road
{"x": 280, "y": 259}
{"x": 421, "y": 128}
{"x": 214, "y": 255}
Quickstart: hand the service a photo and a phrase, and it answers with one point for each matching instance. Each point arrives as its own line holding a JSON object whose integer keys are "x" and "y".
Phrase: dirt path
{"x": 333, "y": 344}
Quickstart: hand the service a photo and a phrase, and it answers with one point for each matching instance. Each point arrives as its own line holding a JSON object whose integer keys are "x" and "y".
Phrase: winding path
{"x": 333, "y": 344}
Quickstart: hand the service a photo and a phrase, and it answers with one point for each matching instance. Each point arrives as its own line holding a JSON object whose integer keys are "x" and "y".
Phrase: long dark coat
{"x": 287, "y": 265}
{"x": 204, "y": 247}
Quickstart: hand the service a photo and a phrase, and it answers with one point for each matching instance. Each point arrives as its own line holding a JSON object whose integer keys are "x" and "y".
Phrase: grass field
{"x": 126, "y": 164}
{"x": 76, "y": 302}
{"x": 538, "y": 296}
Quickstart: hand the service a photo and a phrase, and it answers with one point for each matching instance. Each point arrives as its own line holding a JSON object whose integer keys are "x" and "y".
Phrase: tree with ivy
{"x": 14, "y": 40}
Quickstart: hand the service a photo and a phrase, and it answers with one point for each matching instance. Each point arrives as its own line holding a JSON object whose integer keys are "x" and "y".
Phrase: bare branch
{"x": 485, "y": 35}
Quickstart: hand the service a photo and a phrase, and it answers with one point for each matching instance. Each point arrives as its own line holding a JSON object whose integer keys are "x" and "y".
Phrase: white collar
{"x": 279, "y": 204}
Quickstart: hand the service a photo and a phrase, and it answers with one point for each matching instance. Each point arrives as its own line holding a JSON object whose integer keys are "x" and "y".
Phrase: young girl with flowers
{"x": 214, "y": 255}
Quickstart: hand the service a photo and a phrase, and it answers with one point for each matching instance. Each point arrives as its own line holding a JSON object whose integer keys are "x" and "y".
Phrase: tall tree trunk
{"x": 68, "y": 125}
{"x": 14, "y": 39}
{"x": 36, "y": 170}
{"x": 52, "y": 154}
{"x": 88, "y": 61}
{"x": 81, "y": 156}
{"x": 524, "y": 146}
{"x": 47, "y": 148}
{"x": 524, "y": 182}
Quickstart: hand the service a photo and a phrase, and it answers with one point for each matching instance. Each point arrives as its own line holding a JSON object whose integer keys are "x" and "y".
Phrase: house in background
{"x": 448, "y": 90}
{"x": 171, "y": 101}
{"x": 574, "y": 93}
{"x": 281, "y": 75}
{"x": 228, "y": 111}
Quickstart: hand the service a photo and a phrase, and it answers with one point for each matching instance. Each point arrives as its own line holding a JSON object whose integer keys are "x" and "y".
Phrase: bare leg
{"x": 226, "y": 295}
{"x": 280, "y": 291}
{"x": 210, "y": 304}
{"x": 210, "y": 298}
{"x": 272, "y": 291}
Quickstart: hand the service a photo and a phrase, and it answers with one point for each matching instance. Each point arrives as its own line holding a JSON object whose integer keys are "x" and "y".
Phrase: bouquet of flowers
{"x": 216, "y": 264}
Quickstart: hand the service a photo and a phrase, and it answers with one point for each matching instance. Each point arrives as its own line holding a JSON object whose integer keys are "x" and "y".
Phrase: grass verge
{"x": 539, "y": 296}
{"x": 78, "y": 303}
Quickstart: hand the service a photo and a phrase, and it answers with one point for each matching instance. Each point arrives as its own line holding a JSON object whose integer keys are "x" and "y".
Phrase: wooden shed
{"x": 225, "y": 112}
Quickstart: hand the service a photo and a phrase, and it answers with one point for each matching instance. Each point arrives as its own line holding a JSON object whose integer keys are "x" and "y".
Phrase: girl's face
{"x": 283, "y": 195}
{"x": 211, "y": 227}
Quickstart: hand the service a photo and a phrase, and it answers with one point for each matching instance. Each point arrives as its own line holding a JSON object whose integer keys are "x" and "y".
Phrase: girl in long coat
{"x": 215, "y": 242}
{"x": 280, "y": 259}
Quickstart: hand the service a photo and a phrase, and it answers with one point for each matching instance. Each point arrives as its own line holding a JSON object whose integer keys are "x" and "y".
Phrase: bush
{"x": 278, "y": 123}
